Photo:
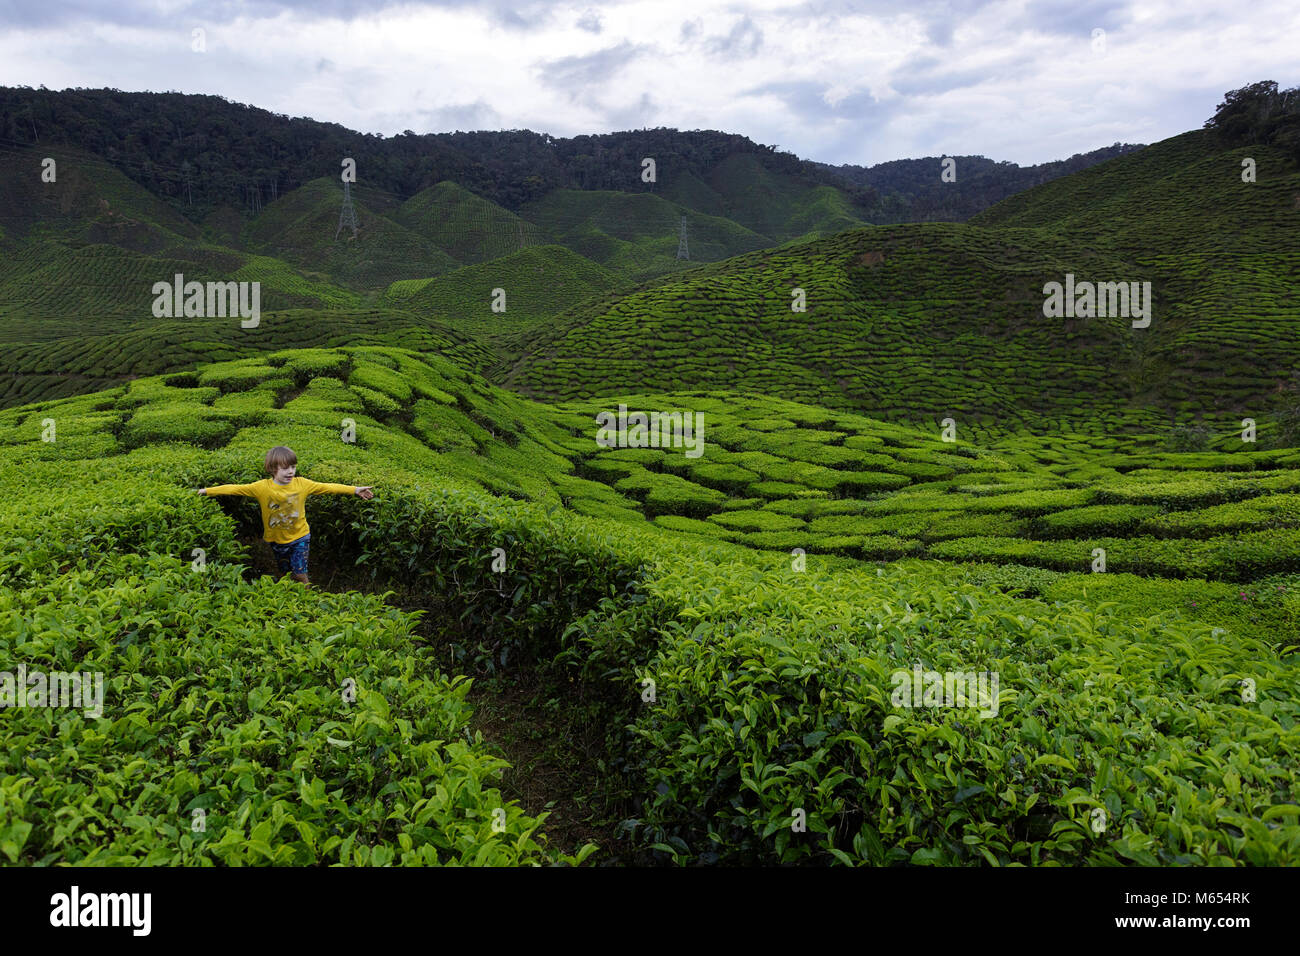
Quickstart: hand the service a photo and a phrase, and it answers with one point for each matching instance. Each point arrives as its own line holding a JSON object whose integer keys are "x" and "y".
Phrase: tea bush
{"x": 1264, "y": 511}
{"x": 377, "y": 402}
{"x": 757, "y": 521}
{"x": 282, "y": 768}
{"x": 695, "y": 526}
{"x": 1096, "y": 519}
{"x": 1118, "y": 692}
{"x": 233, "y": 377}
{"x": 668, "y": 494}
{"x": 779, "y": 701}
{"x": 381, "y": 380}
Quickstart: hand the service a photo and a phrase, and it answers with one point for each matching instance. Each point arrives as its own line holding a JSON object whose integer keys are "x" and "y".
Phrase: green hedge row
{"x": 202, "y": 754}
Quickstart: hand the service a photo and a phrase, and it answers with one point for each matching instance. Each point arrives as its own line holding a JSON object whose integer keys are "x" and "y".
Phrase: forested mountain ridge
{"x": 205, "y": 153}
{"x": 912, "y": 190}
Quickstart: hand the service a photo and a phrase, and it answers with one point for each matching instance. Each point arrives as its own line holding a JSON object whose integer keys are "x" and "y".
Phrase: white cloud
{"x": 860, "y": 82}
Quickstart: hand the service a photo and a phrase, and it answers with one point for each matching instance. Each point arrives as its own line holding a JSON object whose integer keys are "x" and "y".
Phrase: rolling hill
{"x": 928, "y": 320}
{"x": 915, "y": 190}
{"x": 747, "y": 575}
{"x": 550, "y": 640}
{"x": 467, "y": 227}
{"x": 535, "y": 283}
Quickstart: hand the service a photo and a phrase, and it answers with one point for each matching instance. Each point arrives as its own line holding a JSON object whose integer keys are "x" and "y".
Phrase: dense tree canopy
{"x": 204, "y": 152}
{"x": 911, "y": 190}
{"x": 1260, "y": 113}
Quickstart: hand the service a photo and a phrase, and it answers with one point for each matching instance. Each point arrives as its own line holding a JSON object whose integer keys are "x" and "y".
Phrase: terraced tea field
{"x": 552, "y": 641}
{"x": 70, "y": 367}
{"x": 511, "y": 295}
{"x": 923, "y": 321}
{"x": 766, "y": 589}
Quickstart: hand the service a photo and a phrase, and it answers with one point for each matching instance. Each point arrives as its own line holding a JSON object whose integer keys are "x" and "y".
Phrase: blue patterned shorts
{"x": 293, "y": 555}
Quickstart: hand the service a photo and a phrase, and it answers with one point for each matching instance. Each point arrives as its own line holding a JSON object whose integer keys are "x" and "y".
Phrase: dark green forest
{"x": 910, "y": 190}
{"x": 202, "y": 153}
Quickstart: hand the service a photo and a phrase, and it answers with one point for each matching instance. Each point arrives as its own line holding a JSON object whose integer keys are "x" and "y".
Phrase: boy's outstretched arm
{"x": 248, "y": 491}
{"x": 326, "y": 488}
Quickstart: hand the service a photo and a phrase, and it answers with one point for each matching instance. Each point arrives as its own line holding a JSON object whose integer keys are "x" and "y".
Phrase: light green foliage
{"x": 757, "y": 521}
{"x": 381, "y": 380}
{"x": 773, "y": 683}
{"x": 770, "y": 586}
{"x": 283, "y": 769}
{"x": 1096, "y": 519}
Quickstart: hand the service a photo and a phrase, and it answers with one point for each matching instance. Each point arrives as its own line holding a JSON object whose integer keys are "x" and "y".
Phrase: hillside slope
{"x": 905, "y": 320}
{"x": 82, "y": 254}
{"x": 467, "y": 227}
{"x": 530, "y": 286}
{"x": 636, "y": 234}
{"x": 303, "y": 228}
{"x": 522, "y": 539}
{"x": 936, "y": 319}
{"x": 914, "y": 190}
{"x": 1217, "y": 251}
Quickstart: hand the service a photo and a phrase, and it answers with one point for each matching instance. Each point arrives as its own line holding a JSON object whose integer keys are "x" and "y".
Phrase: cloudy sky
{"x": 842, "y": 82}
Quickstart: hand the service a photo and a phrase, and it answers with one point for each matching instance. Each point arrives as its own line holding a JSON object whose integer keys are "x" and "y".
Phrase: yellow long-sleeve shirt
{"x": 284, "y": 507}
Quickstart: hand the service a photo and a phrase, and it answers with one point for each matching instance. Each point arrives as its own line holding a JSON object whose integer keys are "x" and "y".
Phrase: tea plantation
{"x": 545, "y": 642}
{"x": 922, "y": 321}
{"x": 731, "y": 620}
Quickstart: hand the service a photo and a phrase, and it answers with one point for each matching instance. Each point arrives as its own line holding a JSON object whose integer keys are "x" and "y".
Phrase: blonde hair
{"x": 281, "y": 456}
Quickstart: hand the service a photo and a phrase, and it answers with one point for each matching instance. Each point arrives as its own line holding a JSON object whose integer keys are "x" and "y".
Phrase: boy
{"x": 284, "y": 506}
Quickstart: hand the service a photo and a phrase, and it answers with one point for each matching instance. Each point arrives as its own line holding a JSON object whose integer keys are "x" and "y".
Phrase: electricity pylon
{"x": 347, "y": 214}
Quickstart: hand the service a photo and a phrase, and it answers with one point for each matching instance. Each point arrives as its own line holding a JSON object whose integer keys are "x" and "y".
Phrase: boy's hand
{"x": 203, "y": 491}
{"x": 363, "y": 491}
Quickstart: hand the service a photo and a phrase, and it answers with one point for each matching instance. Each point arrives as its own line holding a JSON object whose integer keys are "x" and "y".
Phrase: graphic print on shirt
{"x": 283, "y": 514}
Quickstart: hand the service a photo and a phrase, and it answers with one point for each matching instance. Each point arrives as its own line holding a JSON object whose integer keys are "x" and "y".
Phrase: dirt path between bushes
{"x": 555, "y": 753}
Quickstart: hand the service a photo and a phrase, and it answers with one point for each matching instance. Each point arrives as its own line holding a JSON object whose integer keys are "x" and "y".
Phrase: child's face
{"x": 284, "y": 474}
